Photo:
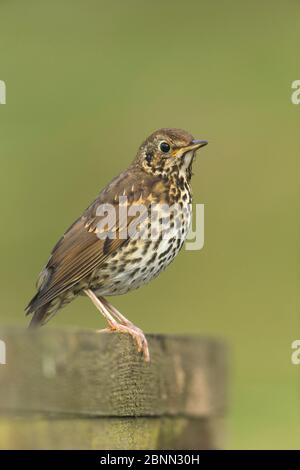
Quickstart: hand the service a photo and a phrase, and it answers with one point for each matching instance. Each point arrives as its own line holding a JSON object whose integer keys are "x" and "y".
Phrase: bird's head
{"x": 167, "y": 151}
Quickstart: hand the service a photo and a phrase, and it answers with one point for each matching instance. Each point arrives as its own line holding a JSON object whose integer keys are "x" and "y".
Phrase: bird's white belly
{"x": 151, "y": 256}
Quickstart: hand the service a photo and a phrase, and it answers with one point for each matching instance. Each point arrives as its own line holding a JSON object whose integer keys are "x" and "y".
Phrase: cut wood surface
{"x": 55, "y": 381}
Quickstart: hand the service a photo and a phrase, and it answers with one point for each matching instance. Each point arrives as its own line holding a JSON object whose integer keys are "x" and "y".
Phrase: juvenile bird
{"x": 126, "y": 237}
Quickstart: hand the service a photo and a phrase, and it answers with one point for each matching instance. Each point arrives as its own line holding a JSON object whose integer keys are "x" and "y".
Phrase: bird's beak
{"x": 193, "y": 146}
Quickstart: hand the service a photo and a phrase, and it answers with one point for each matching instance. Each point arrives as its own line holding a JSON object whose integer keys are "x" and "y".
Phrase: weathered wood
{"x": 110, "y": 433}
{"x": 55, "y": 381}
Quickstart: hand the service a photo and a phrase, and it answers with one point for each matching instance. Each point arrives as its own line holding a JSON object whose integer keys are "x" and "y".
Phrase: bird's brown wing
{"x": 80, "y": 250}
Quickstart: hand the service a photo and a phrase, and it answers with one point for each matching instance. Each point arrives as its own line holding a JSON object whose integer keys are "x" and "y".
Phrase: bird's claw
{"x": 135, "y": 332}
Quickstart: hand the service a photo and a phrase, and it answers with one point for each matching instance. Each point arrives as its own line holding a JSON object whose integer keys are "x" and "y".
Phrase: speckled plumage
{"x": 86, "y": 260}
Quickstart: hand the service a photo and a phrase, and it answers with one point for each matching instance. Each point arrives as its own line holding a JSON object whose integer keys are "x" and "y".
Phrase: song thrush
{"x": 98, "y": 260}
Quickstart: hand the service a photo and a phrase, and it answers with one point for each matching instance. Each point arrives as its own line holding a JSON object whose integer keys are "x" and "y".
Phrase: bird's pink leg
{"x": 118, "y": 323}
{"x": 138, "y": 333}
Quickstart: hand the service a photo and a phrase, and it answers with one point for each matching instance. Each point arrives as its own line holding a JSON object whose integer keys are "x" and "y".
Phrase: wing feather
{"x": 80, "y": 251}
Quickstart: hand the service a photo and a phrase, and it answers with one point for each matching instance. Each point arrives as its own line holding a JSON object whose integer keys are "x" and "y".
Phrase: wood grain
{"x": 57, "y": 379}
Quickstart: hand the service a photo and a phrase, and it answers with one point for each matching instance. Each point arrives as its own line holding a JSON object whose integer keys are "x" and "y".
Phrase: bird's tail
{"x": 40, "y": 314}
{"x": 38, "y": 318}
{"x": 40, "y": 310}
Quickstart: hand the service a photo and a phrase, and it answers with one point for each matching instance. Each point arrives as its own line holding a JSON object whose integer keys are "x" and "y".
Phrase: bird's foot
{"x": 135, "y": 332}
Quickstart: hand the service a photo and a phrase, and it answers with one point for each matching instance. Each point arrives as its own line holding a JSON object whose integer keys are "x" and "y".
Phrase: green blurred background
{"x": 87, "y": 81}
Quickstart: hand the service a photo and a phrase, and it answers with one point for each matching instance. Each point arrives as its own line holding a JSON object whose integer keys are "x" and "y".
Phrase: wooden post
{"x": 78, "y": 389}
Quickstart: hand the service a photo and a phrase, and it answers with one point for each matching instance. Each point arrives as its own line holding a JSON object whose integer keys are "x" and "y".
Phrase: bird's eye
{"x": 164, "y": 147}
{"x": 149, "y": 157}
